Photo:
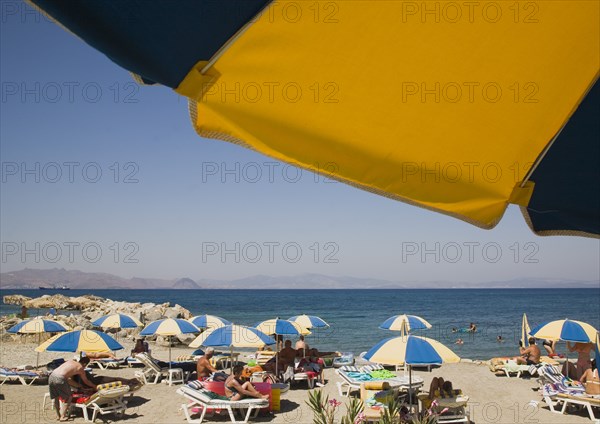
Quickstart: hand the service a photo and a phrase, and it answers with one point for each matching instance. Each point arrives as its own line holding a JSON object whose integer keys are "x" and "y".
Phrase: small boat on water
{"x": 63, "y": 287}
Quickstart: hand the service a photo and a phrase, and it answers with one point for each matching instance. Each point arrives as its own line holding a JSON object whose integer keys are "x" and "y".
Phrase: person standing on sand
{"x": 302, "y": 346}
{"x": 59, "y": 384}
{"x": 584, "y": 360}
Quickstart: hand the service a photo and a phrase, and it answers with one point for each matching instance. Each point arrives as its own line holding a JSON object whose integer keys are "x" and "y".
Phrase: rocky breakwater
{"x": 91, "y": 308}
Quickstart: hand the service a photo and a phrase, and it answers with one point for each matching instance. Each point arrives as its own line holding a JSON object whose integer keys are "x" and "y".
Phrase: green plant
{"x": 324, "y": 409}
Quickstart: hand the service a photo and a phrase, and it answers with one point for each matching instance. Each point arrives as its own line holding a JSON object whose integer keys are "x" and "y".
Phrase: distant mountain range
{"x": 34, "y": 278}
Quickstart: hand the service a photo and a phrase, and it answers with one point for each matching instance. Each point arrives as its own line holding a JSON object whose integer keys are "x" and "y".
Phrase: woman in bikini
{"x": 236, "y": 390}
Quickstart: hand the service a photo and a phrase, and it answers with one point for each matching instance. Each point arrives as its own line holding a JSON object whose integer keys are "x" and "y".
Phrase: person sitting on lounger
{"x": 203, "y": 367}
{"x": 314, "y": 364}
{"x": 530, "y": 355}
{"x": 59, "y": 384}
{"x": 141, "y": 346}
{"x": 235, "y": 389}
{"x": 287, "y": 356}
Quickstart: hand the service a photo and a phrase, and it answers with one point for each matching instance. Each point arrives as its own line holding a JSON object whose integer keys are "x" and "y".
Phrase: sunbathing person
{"x": 530, "y": 355}
{"x": 99, "y": 355}
{"x": 235, "y": 389}
{"x": 60, "y": 381}
{"x": 590, "y": 374}
{"x": 315, "y": 352}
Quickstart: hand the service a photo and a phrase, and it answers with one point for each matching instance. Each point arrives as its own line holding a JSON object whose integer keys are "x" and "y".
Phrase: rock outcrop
{"x": 91, "y": 308}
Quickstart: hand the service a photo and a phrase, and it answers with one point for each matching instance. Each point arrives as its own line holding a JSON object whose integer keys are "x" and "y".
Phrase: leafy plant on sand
{"x": 324, "y": 409}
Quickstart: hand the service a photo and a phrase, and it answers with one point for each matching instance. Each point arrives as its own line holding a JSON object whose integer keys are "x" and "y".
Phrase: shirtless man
{"x": 58, "y": 384}
{"x": 287, "y": 355}
{"x": 530, "y": 355}
{"x": 203, "y": 367}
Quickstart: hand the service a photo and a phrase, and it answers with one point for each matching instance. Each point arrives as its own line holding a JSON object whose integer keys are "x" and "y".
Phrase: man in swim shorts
{"x": 530, "y": 355}
{"x": 59, "y": 387}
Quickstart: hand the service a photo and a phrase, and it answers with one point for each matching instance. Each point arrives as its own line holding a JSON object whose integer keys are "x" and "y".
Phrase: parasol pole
{"x": 169, "y": 339}
{"x": 231, "y": 358}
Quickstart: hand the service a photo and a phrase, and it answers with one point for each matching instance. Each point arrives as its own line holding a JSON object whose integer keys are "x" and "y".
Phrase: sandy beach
{"x": 492, "y": 399}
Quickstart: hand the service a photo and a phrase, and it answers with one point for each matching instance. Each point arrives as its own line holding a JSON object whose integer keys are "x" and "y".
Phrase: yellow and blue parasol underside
{"x": 454, "y": 107}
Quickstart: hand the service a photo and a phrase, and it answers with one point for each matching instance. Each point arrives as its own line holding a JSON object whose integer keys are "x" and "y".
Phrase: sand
{"x": 493, "y": 399}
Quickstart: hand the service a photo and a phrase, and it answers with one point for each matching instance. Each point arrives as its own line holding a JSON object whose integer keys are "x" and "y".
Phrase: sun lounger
{"x": 555, "y": 395}
{"x": 346, "y": 359}
{"x": 353, "y": 378}
{"x": 454, "y": 401}
{"x": 263, "y": 356}
{"x": 104, "y": 401}
{"x": 26, "y": 378}
{"x": 105, "y": 363}
{"x": 205, "y": 399}
{"x": 375, "y": 397}
{"x": 512, "y": 367}
{"x": 291, "y": 375}
{"x": 152, "y": 373}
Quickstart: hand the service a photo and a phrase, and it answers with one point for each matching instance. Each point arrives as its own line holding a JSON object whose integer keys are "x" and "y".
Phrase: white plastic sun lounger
{"x": 204, "y": 399}
{"x": 105, "y": 401}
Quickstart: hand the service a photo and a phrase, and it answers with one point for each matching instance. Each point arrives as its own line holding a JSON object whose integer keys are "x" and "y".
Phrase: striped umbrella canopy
{"x": 309, "y": 321}
{"x": 407, "y": 322}
{"x": 566, "y": 330}
{"x": 233, "y": 336}
{"x": 597, "y": 347}
{"x": 208, "y": 321}
{"x": 397, "y": 125}
{"x": 281, "y": 327}
{"x": 80, "y": 341}
{"x": 410, "y": 350}
{"x": 117, "y": 321}
{"x": 38, "y": 325}
{"x": 169, "y": 327}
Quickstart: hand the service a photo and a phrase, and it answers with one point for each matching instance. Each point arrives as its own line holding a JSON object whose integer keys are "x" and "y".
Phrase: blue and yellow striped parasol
{"x": 169, "y": 327}
{"x": 208, "y": 321}
{"x": 566, "y": 330}
{"x": 407, "y": 322}
{"x": 38, "y": 325}
{"x": 80, "y": 341}
{"x": 309, "y": 321}
{"x": 117, "y": 321}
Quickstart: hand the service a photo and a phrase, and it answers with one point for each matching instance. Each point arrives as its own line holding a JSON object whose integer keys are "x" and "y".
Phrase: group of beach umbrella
{"x": 407, "y": 349}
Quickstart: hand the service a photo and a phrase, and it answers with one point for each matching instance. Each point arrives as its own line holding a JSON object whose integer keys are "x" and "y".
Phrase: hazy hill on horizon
{"x": 29, "y": 278}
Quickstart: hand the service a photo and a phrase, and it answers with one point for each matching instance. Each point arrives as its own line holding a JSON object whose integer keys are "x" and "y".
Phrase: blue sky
{"x": 166, "y": 202}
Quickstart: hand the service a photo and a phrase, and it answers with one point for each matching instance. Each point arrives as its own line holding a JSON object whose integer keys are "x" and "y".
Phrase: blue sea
{"x": 355, "y": 315}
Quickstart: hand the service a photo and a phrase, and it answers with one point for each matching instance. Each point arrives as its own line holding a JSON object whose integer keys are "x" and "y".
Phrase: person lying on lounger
{"x": 99, "y": 355}
{"x": 235, "y": 389}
